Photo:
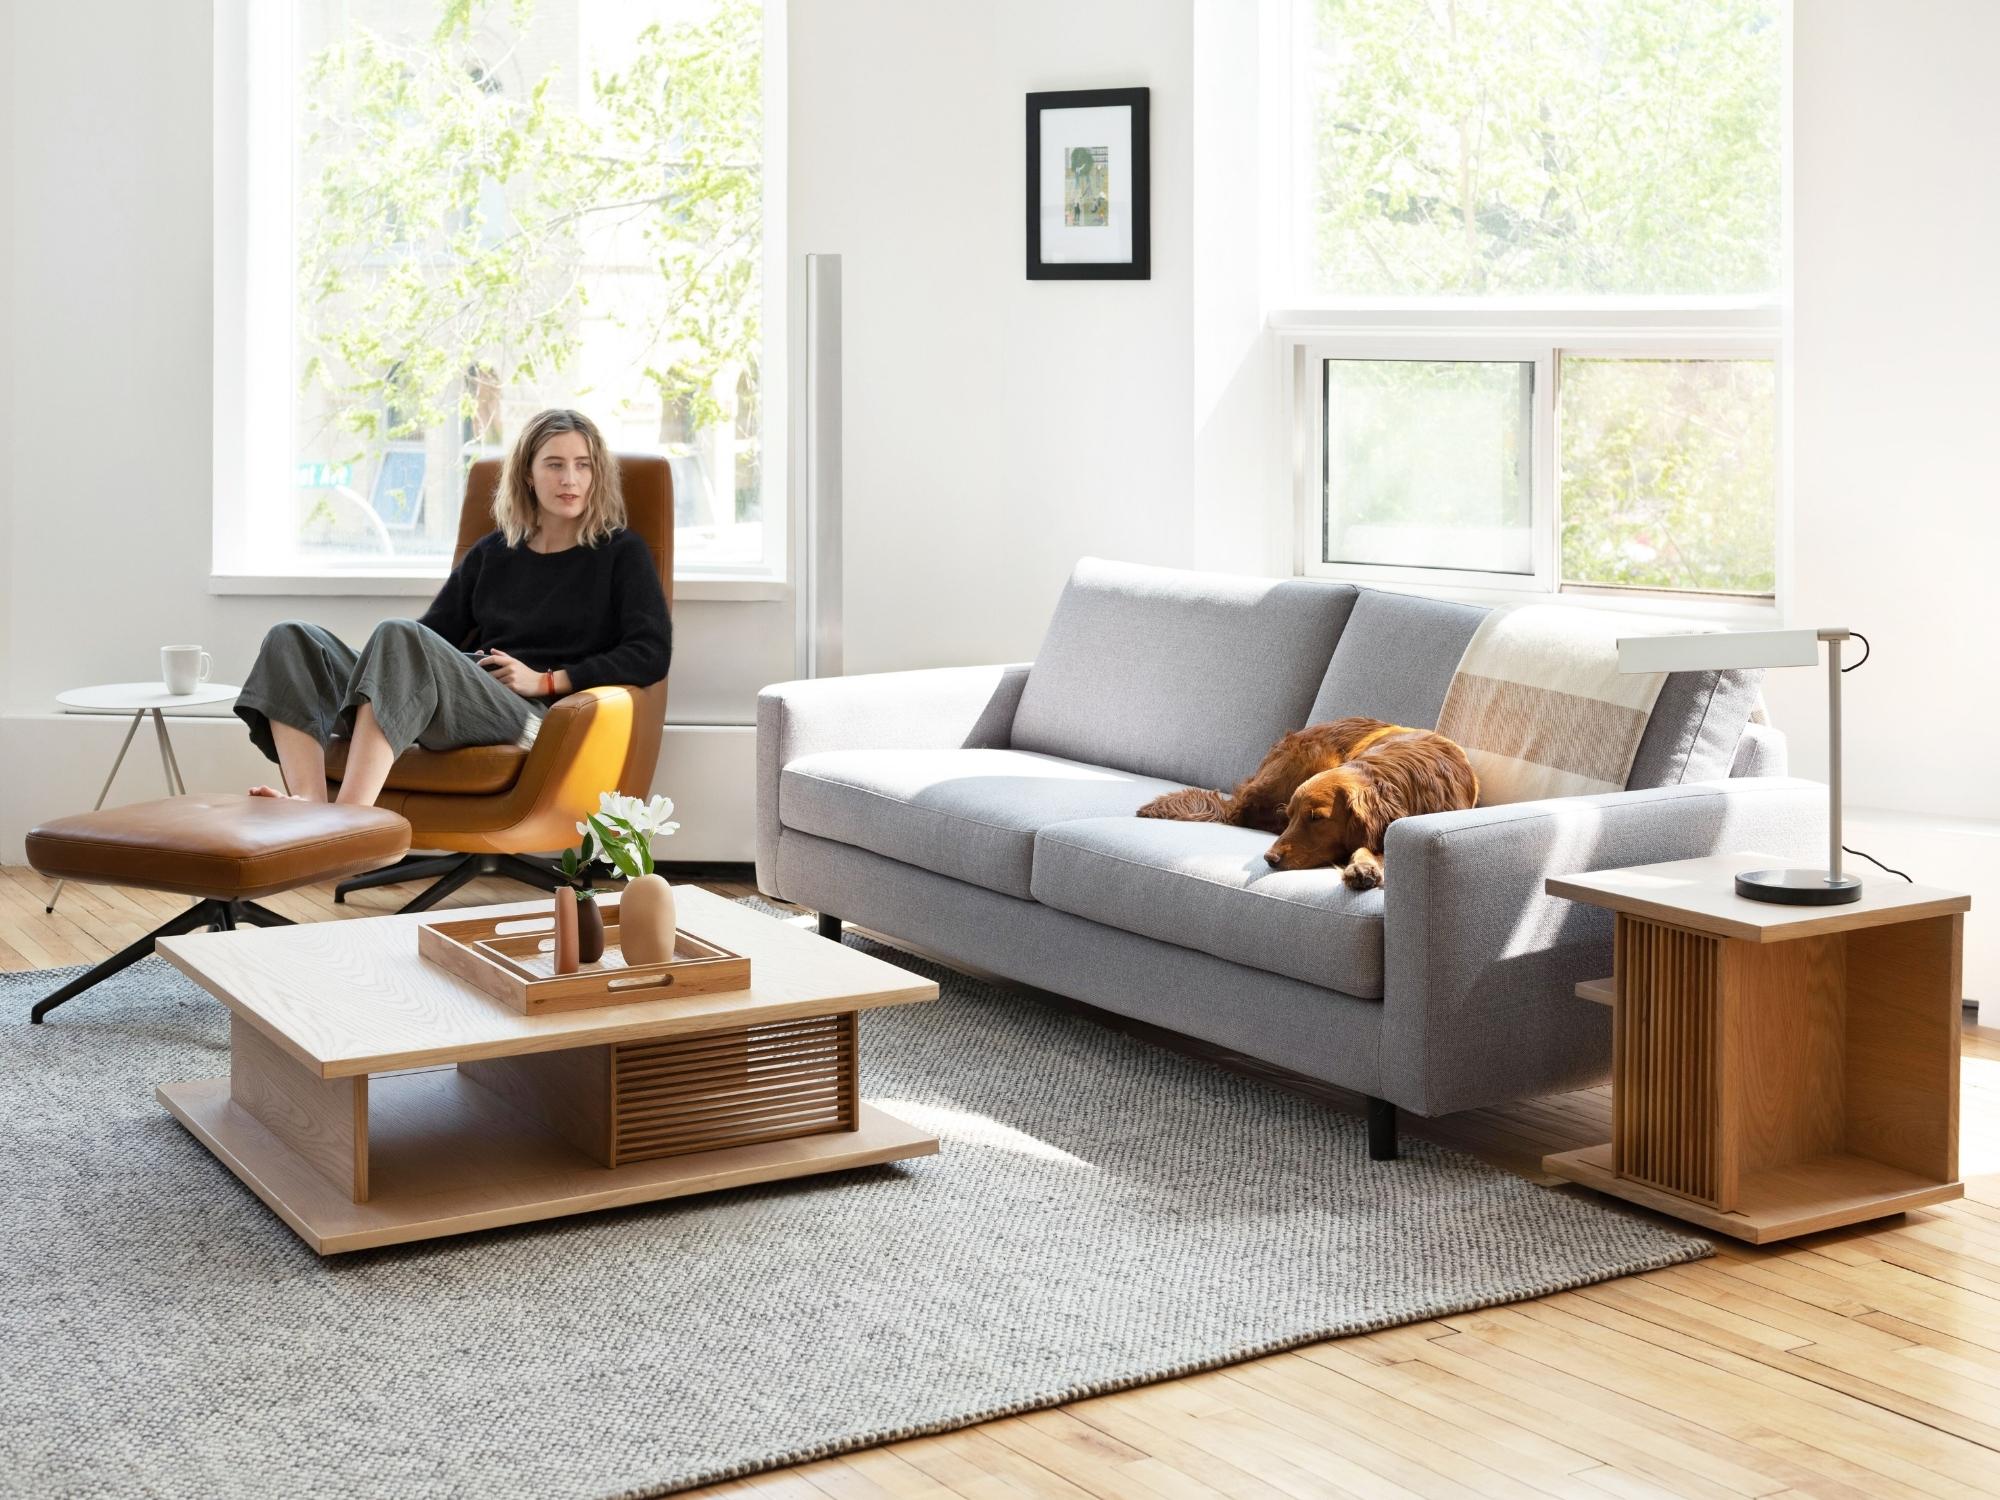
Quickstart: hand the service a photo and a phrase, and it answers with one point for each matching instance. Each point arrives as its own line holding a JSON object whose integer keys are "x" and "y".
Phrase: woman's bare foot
{"x": 271, "y": 791}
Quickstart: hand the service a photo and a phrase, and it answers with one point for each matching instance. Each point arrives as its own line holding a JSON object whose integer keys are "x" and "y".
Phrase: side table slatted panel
{"x": 1666, "y": 1043}
{"x": 733, "y": 1088}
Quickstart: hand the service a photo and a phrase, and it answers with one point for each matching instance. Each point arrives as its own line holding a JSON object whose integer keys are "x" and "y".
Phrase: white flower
{"x": 652, "y": 819}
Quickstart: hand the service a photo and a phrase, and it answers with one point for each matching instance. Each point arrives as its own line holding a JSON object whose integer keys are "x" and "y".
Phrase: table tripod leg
{"x": 103, "y": 792}
{"x": 176, "y": 787}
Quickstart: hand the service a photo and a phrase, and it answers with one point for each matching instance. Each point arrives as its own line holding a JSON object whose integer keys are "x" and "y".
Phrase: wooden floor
{"x": 1863, "y": 1362}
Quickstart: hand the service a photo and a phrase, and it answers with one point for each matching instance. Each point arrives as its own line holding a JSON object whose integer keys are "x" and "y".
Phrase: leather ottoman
{"x": 222, "y": 848}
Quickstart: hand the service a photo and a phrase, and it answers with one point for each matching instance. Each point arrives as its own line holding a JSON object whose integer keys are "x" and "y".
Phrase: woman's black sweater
{"x": 595, "y": 612}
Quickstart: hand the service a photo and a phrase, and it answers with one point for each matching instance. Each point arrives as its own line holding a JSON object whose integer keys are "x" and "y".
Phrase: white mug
{"x": 184, "y": 668}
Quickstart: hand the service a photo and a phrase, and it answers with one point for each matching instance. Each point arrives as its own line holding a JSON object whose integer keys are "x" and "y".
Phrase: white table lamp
{"x": 1726, "y": 652}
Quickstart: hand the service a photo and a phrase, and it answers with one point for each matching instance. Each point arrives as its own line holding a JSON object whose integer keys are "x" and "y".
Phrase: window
{"x": 1536, "y": 268}
{"x": 443, "y": 216}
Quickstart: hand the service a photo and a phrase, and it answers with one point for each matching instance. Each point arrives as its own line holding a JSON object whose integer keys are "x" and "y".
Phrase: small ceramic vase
{"x": 589, "y": 932}
{"x": 647, "y": 925}
{"x": 566, "y": 931}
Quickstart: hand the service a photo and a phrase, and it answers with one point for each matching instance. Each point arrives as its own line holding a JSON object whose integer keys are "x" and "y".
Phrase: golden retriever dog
{"x": 1331, "y": 791}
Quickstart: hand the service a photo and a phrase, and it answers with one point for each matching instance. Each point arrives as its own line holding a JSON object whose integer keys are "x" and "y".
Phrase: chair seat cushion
{"x": 474, "y": 771}
{"x": 1206, "y": 886}
{"x": 968, "y": 814}
{"x": 218, "y": 844}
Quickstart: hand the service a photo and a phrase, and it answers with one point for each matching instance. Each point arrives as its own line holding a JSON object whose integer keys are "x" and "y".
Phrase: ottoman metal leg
{"x": 196, "y": 917}
{"x": 829, "y": 926}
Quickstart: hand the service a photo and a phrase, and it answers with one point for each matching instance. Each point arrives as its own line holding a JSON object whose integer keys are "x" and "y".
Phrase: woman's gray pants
{"x": 425, "y": 691}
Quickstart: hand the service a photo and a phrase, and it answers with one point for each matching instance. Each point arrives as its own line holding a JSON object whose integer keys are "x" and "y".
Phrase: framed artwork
{"x": 1090, "y": 197}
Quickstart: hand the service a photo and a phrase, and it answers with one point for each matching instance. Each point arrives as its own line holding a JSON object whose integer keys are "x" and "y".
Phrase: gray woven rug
{"x": 1103, "y": 1213}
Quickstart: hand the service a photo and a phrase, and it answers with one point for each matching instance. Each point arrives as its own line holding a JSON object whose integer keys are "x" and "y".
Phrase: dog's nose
{"x": 1272, "y": 857}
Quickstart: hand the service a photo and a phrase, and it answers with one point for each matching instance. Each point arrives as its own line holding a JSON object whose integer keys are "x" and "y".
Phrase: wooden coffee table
{"x": 373, "y": 1098}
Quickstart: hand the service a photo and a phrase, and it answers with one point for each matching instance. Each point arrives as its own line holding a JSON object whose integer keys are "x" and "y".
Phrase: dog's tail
{"x": 1190, "y": 805}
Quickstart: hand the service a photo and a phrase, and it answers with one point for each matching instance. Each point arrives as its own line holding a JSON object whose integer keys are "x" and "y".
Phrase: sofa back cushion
{"x": 1396, "y": 659}
{"x": 1697, "y": 724}
{"x": 1397, "y": 655}
{"x": 1186, "y": 676}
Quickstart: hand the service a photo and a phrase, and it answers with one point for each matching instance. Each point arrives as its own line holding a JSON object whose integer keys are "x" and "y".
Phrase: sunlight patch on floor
{"x": 1979, "y": 1117}
{"x": 962, "y": 1127}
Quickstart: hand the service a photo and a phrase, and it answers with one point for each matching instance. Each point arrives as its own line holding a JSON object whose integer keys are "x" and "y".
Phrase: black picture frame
{"x": 1140, "y": 266}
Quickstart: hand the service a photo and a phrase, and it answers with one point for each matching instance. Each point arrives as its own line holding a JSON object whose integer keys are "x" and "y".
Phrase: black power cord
{"x": 1874, "y": 861}
{"x": 1867, "y": 651}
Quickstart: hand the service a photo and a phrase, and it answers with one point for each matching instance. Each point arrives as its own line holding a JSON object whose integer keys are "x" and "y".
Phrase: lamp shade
{"x": 1732, "y": 651}
{"x": 1719, "y": 652}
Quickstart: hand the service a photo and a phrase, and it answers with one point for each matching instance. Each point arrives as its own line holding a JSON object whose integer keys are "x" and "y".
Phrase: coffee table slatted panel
{"x": 732, "y": 1088}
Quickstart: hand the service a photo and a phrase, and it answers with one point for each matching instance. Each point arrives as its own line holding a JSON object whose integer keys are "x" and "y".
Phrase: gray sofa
{"x": 984, "y": 814}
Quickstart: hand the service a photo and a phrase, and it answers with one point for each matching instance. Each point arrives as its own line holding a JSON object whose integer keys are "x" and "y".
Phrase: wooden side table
{"x": 1776, "y": 1070}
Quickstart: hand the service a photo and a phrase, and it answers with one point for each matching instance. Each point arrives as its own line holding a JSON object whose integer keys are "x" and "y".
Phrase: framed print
{"x": 1090, "y": 199}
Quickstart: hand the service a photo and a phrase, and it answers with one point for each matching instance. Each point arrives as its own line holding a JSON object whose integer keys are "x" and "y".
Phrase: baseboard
{"x": 52, "y": 764}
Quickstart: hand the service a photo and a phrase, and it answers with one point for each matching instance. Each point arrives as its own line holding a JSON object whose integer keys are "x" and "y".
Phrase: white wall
{"x": 996, "y": 428}
{"x": 1896, "y": 390}
{"x": 106, "y": 339}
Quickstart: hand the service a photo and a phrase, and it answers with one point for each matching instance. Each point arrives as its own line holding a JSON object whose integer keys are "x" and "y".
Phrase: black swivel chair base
{"x": 453, "y": 870}
{"x": 212, "y": 914}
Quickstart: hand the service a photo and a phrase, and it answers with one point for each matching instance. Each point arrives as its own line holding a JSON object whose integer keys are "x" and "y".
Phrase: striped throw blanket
{"x": 1540, "y": 706}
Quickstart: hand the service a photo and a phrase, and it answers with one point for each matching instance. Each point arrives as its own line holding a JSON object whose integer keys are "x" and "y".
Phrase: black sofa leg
{"x": 1381, "y": 1130}
{"x": 829, "y": 926}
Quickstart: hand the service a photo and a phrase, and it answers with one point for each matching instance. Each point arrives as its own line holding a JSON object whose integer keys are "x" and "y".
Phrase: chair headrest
{"x": 646, "y": 478}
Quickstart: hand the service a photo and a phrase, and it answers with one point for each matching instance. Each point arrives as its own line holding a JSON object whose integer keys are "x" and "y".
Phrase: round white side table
{"x": 140, "y": 699}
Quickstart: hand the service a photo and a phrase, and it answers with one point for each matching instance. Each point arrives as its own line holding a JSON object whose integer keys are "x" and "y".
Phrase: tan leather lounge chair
{"x": 491, "y": 806}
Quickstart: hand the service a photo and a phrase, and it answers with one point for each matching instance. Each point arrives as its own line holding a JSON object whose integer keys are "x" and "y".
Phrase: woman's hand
{"x": 515, "y": 675}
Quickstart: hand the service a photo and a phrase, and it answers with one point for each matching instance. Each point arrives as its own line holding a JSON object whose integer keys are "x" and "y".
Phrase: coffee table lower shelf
{"x": 446, "y": 1156}
{"x": 1777, "y": 1203}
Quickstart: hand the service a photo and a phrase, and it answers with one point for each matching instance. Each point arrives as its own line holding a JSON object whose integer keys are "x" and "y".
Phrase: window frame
{"x": 1544, "y": 331}
{"x": 254, "y": 373}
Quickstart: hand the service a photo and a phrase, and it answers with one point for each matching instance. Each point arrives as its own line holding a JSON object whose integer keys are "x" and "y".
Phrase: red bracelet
{"x": 548, "y": 684}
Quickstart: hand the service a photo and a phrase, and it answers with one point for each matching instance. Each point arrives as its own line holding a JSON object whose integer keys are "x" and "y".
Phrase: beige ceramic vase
{"x": 646, "y": 921}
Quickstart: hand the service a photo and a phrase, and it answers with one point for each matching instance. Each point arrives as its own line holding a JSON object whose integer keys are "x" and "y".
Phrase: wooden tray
{"x": 513, "y": 959}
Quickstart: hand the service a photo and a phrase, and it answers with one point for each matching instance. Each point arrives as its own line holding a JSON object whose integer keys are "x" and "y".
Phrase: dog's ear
{"x": 1374, "y": 802}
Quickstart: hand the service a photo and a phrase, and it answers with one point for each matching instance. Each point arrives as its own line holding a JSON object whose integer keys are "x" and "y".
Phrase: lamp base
{"x": 1798, "y": 887}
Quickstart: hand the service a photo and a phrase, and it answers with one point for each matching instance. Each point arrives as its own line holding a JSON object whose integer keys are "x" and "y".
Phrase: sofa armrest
{"x": 938, "y": 708}
{"x": 1481, "y": 964}
{"x": 1761, "y": 752}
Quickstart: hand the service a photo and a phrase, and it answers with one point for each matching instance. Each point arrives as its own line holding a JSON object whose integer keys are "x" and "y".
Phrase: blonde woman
{"x": 559, "y": 598}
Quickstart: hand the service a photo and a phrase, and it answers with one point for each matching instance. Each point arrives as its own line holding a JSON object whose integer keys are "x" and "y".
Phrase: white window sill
{"x": 698, "y": 587}
{"x": 1748, "y": 613}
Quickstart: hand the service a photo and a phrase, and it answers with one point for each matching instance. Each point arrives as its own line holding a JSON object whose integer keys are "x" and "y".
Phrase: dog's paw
{"x": 1362, "y": 875}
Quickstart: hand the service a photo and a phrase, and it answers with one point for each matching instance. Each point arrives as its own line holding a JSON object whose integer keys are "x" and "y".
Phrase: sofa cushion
{"x": 1396, "y": 658}
{"x": 1697, "y": 724}
{"x": 1397, "y": 655}
{"x": 1187, "y": 676}
{"x": 968, "y": 814}
{"x": 1206, "y": 886}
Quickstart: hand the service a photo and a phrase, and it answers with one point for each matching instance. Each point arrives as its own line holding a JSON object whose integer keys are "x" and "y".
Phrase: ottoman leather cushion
{"x": 219, "y": 844}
